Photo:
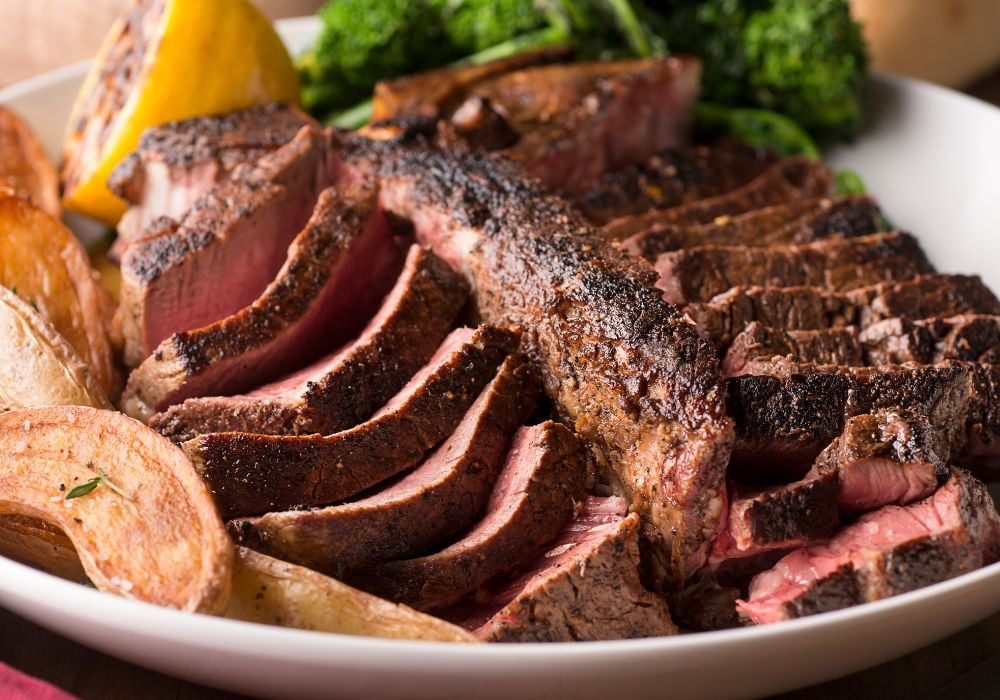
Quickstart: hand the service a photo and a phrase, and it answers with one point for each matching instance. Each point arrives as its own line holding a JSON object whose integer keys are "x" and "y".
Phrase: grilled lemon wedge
{"x": 165, "y": 60}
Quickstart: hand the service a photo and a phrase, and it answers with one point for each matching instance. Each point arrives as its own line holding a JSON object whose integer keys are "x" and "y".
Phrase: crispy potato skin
{"x": 274, "y": 592}
{"x": 24, "y": 166}
{"x": 37, "y": 366}
{"x": 36, "y": 543}
{"x": 48, "y": 267}
{"x": 162, "y": 542}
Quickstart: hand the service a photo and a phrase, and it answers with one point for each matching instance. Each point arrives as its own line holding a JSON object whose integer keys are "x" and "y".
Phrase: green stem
{"x": 758, "y": 127}
{"x": 635, "y": 33}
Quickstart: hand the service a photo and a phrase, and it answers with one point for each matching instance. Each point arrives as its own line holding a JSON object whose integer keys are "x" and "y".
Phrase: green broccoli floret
{"x": 713, "y": 31}
{"x": 362, "y": 42}
{"x": 808, "y": 60}
{"x": 472, "y": 26}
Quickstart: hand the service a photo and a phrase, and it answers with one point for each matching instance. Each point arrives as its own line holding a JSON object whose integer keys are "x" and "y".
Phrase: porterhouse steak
{"x": 621, "y": 365}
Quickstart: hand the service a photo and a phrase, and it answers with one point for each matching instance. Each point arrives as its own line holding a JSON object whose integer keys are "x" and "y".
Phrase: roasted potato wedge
{"x": 274, "y": 592}
{"x": 35, "y": 542}
{"x": 37, "y": 366}
{"x": 44, "y": 264}
{"x": 24, "y": 166}
{"x": 140, "y": 517}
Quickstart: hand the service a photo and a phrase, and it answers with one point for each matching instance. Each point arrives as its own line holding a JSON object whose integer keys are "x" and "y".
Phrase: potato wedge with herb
{"x": 37, "y": 366}
{"x": 38, "y": 544}
{"x": 142, "y": 521}
{"x": 275, "y": 592}
{"x": 43, "y": 263}
{"x": 24, "y": 166}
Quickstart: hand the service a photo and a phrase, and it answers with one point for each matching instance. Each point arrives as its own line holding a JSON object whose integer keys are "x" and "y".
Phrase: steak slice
{"x": 437, "y": 499}
{"x": 972, "y": 337}
{"x": 891, "y": 457}
{"x": 585, "y": 587}
{"x": 761, "y": 349}
{"x": 239, "y": 231}
{"x": 670, "y": 178}
{"x": 349, "y": 385}
{"x": 808, "y": 308}
{"x": 887, "y": 552}
{"x": 435, "y": 94}
{"x": 698, "y": 274}
{"x": 253, "y": 474}
{"x": 339, "y": 268}
{"x": 799, "y": 221}
{"x": 176, "y": 163}
{"x": 575, "y": 122}
{"x": 785, "y": 181}
{"x": 534, "y": 496}
{"x": 784, "y": 422}
{"x": 622, "y": 366}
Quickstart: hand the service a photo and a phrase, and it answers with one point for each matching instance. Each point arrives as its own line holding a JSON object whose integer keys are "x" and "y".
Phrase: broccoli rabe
{"x": 362, "y": 42}
{"x": 808, "y": 60}
{"x": 803, "y": 58}
{"x": 471, "y": 26}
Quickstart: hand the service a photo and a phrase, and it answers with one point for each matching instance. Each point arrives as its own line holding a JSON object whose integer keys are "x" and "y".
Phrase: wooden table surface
{"x": 963, "y": 667}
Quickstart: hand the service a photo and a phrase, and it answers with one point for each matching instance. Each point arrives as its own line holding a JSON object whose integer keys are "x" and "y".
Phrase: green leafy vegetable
{"x": 849, "y": 182}
{"x": 88, "y": 486}
{"x": 757, "y": 127}
{"x": 808, "y": 60}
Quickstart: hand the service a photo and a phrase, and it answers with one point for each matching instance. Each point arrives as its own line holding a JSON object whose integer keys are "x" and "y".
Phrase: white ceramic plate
{"x": 931, "y": 156}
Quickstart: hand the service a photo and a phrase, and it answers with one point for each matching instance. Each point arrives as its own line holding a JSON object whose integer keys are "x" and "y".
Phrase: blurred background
{"x": 951, "y": 42}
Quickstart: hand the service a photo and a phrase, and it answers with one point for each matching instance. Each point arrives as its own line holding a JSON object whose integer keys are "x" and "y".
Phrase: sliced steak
{"x": 801, "y": 221}
{"x": 782, "y": 517}
{"x": 698, "y": 274}
{"x": 890, "y": 551}
{"x": 784, "y": 422}
{"x": 349, "y": 385}
{"x": 575, "y": 122}
{"x": 585, "y": 587}
{"x": 970, "y": 337}
{"x": 807, "y": 308}
{"x": 891, "y": 457}
{"x": 176, "y": 163}
{"x": 437, "y": 499}
{"x": 239, "y": 232}
{"x": 435, "y": 94}
{"x": 339, "y": 268}
{"x": 785, "y": 181}
{"x": 982, "y": 451}
{"x": 759, "y": 349}
{"x": 622, "y": 366}
{"x": 534, "y": 496}
{"x": 670, "y": 178}
{"x": 253, "y": 474}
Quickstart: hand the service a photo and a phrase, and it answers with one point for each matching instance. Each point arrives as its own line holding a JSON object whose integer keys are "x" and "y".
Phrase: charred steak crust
{"x": 670, "y": 178}
{"x": 534, "y": 496}
{"x": 784, "y": 517}
{"x": 807, "y": 308}
{"x": 623, "y": 367}
{"x": 226, "y": 141}
{"x": 762, "y": 347}
{"x": 698, "y": 274}
{"x": 972, "y": 337}
{"x": 252, "y": 474}
{"x": 347, "y": 387}
{"x": 313, "y": 304}
{"x": 782, "y": 423}
{"x": 585, "y": 588}
{"x": 801, "y": 221}
{"x": 785, "y": 181}
{"x": 436, "y": 500}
